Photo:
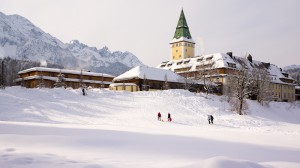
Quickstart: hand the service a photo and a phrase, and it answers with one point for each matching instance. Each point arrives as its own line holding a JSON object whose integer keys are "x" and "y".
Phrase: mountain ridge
{"x": 20, "y": 39}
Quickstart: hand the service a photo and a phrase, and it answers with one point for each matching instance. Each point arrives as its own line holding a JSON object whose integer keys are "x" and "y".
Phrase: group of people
{"x": 210, "y": 118}
{"x": 159, "y": 117}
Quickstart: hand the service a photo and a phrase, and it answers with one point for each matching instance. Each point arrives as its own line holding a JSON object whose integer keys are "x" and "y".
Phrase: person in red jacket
{"x": 159, "y": 116}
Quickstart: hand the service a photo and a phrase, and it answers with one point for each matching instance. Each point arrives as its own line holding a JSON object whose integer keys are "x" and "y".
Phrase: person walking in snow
{"x": 169, "y": 117}
{"x": 83, "y": 91}
{"x": 210, "y": 119}
{"x": 159, "y": 116}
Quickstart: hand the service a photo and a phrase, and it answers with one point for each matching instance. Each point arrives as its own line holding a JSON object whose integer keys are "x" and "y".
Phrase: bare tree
{"x": 60, "y": 82}
{"x": 2, "y": 76}
{"x": 261, "y": 85}
{"x": 145, "y": 85}
{"x": 166, "y": 83}
{"x": 205, "y": 76}
{"x": 240, "y": 89}
{"x": 102, "y": 81}
{"x": 41, "y": 82}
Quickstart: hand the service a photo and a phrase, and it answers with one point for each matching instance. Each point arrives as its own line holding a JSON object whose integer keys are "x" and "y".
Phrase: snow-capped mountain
{"x": 291, "y": 67}
{"x": 294, "y": 72}
{"x": 20, "y": 39}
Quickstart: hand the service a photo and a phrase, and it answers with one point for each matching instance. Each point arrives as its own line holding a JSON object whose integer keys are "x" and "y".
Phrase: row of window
{"x": 285, "y": 95}
{"x": 185, "y": 50}
{"x": 278, "y": 86}
{"x": 183, "y": 44}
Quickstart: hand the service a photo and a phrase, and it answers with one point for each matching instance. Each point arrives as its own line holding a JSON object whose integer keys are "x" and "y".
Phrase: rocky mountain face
{"x": 20, "y": 39}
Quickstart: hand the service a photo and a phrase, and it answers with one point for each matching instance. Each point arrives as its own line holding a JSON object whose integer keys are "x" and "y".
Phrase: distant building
{"x": 149, "y": 78}
{"x": 219, "y": 67}
{"x": 37, "y": 76}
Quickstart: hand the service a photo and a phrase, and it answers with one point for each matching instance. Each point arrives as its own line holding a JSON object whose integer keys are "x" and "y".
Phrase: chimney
{"x": 249, "y": 57}
{"x": 230, "y": 54}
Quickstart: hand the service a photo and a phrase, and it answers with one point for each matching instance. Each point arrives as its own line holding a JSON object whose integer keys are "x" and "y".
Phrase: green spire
{"x": 182, "y": 29}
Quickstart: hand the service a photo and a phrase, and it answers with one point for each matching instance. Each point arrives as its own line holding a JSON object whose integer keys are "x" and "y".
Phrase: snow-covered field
{"x": 60, "y": 128}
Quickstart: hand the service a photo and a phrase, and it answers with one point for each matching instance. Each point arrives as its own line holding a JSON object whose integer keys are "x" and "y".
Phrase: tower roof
{"x": 182, "y": 29}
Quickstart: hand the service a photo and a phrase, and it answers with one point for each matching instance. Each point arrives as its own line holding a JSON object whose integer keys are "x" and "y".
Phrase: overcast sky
{"x": 267, "y": 29}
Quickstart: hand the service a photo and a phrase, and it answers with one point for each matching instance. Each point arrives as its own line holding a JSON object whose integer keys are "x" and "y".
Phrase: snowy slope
{"x": 20, "y": 39}
{"x": 61, "y": 128}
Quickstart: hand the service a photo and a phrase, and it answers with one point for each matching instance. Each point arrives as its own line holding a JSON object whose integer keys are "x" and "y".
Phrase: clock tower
{"x": 182, "y": 45}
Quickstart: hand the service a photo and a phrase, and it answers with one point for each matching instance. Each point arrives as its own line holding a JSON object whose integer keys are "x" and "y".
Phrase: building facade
{"x": 219, "y": 67}
{"x": 48, "y": 77}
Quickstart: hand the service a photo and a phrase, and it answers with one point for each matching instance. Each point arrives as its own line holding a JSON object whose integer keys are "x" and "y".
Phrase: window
{"x": 231, "y": 65}
{"x": 185, "y": 62}
{"x": 178, "y": 63}
{"x": 209, "y": 58}
{"x": 199, "y": 59}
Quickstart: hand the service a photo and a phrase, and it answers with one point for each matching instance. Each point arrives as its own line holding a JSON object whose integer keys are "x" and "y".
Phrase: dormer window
{"x": 180, "y": 62}
{"x": 163, "y": 65}
{"x": 209, "y": 58}
{"x": 231, "y": 65}
{"x": 185, "y": 62}
{"x": 199, "y": 59}
{"x": 169, "y": 65}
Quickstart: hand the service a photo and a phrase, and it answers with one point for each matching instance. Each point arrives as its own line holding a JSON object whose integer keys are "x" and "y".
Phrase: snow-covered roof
{"x": 66, "y": 79}
{"x": 149, "y": 73}
{"x": 175, "y": 40}
{"x": 65, "y": 71}
{"x": 222, "y": 60}
{"x": 122, "y": 84}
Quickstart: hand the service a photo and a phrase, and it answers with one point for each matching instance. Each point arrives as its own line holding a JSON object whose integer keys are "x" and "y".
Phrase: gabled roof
{"x": 149, "y": 73}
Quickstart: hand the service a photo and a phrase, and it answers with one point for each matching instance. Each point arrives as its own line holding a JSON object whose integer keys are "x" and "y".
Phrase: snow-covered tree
{"x": 204, "y": 74}
{"x": 261, "y": 85}
{"x": 239, "y": 85}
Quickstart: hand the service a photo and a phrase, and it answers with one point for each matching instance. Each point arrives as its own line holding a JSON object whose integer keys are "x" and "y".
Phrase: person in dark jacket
{"x": 210, "y": 119}
{"x": 83, "y": 91}
{"x": 169, "y": 117}
{"x": 159, "y": 116}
